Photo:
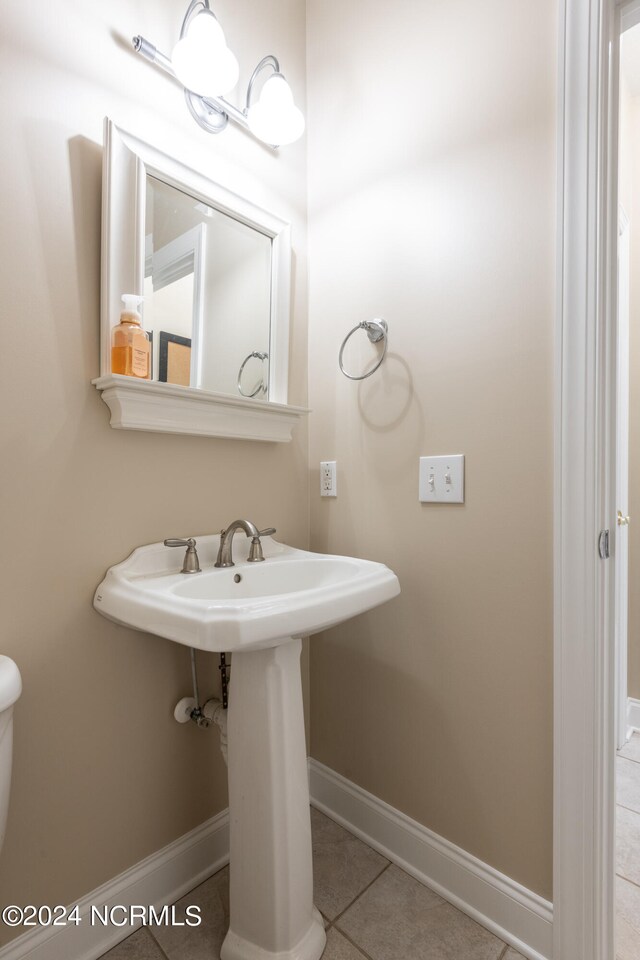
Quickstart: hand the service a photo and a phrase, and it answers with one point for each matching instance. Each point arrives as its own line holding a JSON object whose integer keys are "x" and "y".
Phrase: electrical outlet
{"x": 328, "y": 478}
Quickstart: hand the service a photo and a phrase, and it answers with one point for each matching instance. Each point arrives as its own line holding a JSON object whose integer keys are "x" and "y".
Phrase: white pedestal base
{"x": 311, "y": 946}
{"x": 271, "y": 894}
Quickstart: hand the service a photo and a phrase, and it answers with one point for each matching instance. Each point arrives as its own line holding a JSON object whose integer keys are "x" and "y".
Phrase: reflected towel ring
{"x": 377, "y": 330}
{"x": 262, "y": 385}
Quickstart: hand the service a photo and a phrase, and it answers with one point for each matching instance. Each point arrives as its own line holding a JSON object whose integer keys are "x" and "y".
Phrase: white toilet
{"x": 10, "y": 690}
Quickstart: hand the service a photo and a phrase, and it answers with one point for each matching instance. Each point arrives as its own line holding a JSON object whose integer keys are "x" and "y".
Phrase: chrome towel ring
{"x": 377, "y": 330}
{"x": 262, "y": 386}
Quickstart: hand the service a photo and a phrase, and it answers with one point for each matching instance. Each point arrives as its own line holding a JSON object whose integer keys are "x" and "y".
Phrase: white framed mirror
{"x": 214, "y": 270}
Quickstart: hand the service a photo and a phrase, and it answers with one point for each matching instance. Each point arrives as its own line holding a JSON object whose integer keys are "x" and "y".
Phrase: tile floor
{"x": 372, "y": 910}
{"x": 628, "y": 851}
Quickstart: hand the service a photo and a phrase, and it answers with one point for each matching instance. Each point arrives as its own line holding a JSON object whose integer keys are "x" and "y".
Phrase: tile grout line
{"x": 364, "y": 890}
{"x": 353, "y": 943}
{"x": 159, "y": 945}
{"x": 629, "y": 759}
{"x": 632, "y": 759}
{"x": 632, "y": 882}
{"x": 621, "y": 876}
{"x": 622, "y": 806}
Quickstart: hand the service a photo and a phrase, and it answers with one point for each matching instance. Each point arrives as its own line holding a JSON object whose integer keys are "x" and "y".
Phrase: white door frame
{"x": 584, "y": 728}
{"x": 621, "y": 557}
{"x": 584, "y": 709}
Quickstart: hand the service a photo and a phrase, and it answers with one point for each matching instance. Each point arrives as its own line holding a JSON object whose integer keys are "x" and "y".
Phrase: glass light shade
{"x": 274, "y": 118}
{"x": 201, "y": 61}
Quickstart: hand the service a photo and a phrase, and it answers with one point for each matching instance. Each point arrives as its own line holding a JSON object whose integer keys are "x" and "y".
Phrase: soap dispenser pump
{"x": 130, "y": 347}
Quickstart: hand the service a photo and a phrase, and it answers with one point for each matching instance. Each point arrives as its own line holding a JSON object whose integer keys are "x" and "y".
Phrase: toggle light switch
{"x": 442, "y": 479}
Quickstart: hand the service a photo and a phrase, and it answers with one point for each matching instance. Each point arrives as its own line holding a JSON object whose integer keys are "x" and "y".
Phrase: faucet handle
{"x": 255, "y": 550}
{"x": 191, "y": 563}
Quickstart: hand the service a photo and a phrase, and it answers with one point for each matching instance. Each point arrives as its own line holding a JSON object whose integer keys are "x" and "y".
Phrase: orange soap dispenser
{"x": 130, "y": 347}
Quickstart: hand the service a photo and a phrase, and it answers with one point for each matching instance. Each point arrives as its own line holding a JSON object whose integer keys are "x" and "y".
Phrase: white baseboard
{"x": 515, "y": 914}
{"x": 504, "y": 907}
{"x": 161, "y": 879}
{"x": 633, "y": 715}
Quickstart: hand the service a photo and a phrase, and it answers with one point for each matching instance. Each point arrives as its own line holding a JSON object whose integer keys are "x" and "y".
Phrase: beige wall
{"x": 432, "y": 204}
{"x": 103, "y": 775}
{"x": 431, "y": 133}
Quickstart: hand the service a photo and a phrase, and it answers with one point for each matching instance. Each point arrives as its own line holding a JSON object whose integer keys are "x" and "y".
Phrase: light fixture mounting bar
{"x": 207, "y": 70}
{"x": 150, "y": 52}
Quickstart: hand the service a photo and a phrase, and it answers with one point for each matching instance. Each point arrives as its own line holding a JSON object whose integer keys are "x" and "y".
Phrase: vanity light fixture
{"x": 207, "y": 69}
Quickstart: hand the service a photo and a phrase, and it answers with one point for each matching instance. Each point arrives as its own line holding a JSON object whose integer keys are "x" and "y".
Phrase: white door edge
{"x": 584, "y": 658}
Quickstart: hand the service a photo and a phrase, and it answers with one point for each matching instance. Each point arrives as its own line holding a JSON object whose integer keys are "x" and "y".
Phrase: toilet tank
{"x": 10, "y": 690}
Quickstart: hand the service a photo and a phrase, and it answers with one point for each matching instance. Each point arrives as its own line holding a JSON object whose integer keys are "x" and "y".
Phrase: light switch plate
{"x": 442, "y": 479}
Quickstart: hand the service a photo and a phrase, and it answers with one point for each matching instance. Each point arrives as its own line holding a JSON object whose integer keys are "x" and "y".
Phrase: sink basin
{"x": 278, "y": 578}
{"x": 258, "y": 612}
{"x": 292, "y": 593}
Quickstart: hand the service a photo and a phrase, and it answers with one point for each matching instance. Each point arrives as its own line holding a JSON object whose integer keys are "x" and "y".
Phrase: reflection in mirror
{"x": 216, "y": 271}
{"x": 207, "y": 294}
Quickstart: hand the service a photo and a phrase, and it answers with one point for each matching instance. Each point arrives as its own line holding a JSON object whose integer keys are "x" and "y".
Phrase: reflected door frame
{"x": 176, "y": 259}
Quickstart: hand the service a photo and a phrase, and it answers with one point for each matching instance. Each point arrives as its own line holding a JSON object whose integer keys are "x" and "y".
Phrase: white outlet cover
{"x": 441, "y": 479}
{"x": 328, "y": 478}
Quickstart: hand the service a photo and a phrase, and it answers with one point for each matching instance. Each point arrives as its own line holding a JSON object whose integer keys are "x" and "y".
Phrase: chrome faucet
{"x": 226, "y": 542}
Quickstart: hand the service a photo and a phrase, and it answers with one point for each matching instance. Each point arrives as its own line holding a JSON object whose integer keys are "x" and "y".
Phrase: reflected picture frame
{"x": 174, "y": 359}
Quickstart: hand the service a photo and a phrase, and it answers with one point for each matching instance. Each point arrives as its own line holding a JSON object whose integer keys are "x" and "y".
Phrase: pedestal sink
{"x": 258, "y": 612}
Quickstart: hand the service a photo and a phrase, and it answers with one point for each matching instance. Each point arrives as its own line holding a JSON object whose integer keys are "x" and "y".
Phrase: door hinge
{"x": 603, "y": 545}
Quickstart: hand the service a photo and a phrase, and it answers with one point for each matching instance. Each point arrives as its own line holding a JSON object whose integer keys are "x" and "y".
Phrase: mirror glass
{"x": 207, "y": 295}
